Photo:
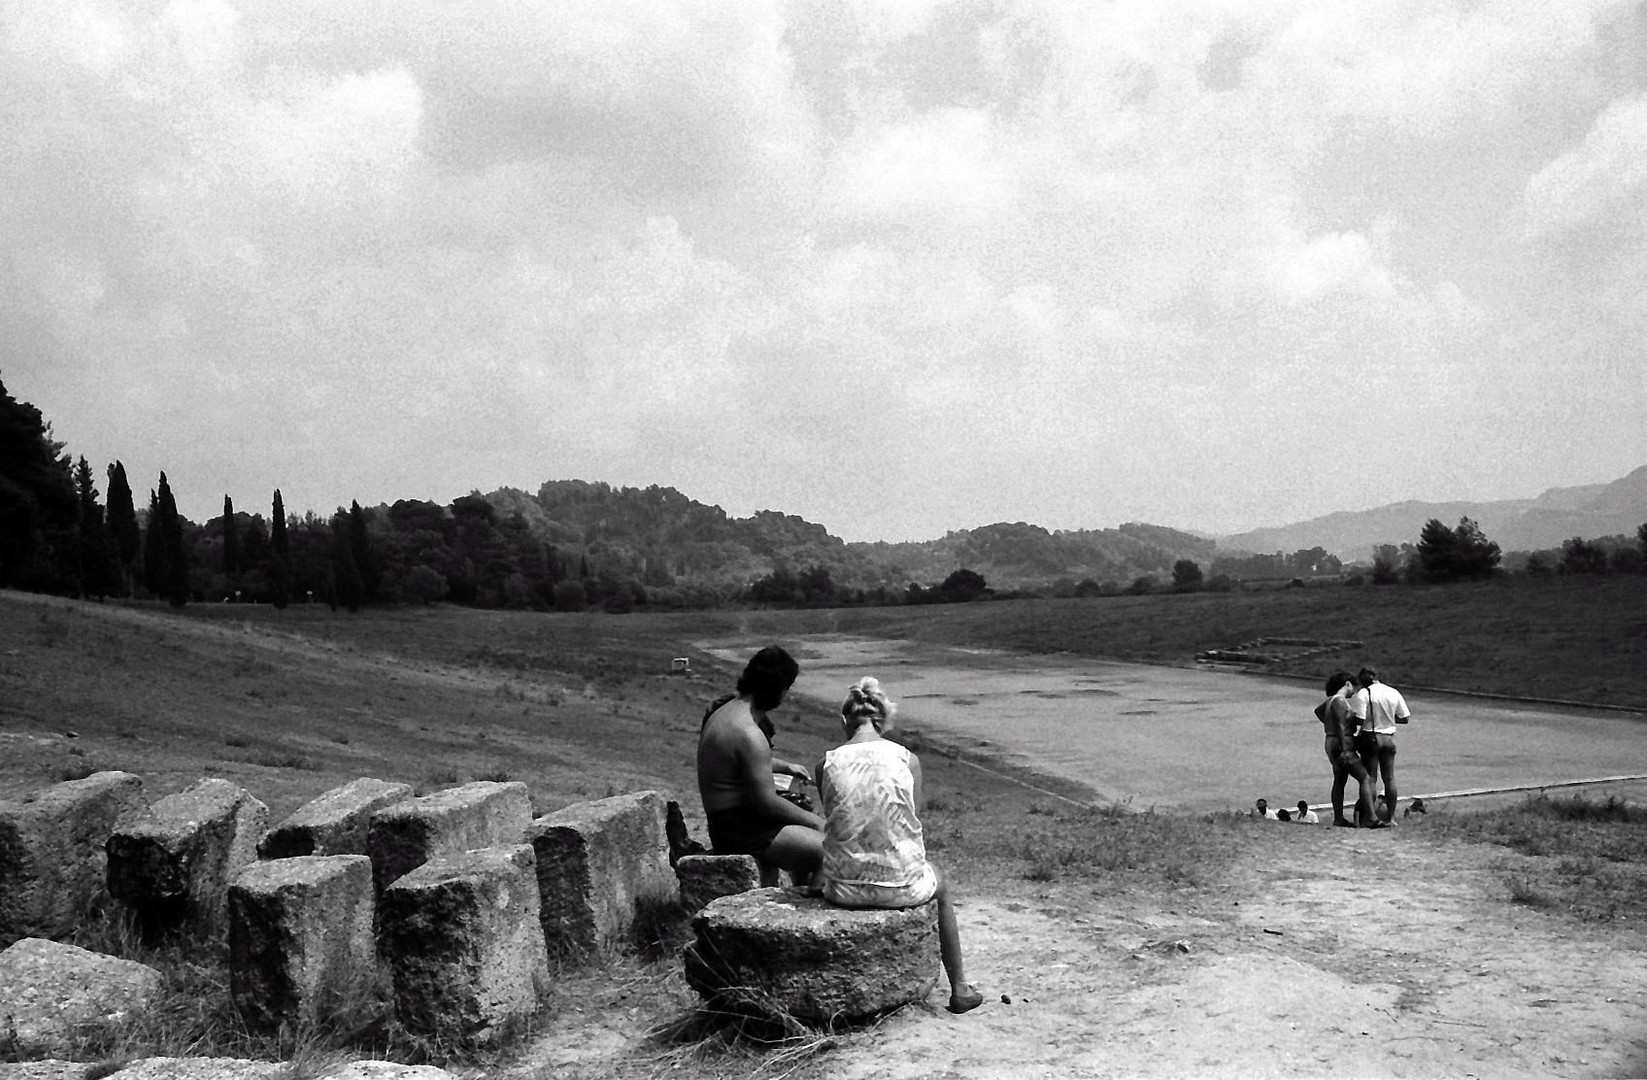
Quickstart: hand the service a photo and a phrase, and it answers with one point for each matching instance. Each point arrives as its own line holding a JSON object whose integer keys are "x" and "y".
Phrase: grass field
{"x": 292, "y": 703}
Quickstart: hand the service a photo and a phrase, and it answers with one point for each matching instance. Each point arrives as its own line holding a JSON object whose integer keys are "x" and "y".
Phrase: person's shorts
{"x": 739, "y": 832}
{"x": 859, "y": 894}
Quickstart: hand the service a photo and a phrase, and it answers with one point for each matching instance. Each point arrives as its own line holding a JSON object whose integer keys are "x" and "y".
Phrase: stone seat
{"x": 709, "y": 877}
{"x": 789, "y": 953}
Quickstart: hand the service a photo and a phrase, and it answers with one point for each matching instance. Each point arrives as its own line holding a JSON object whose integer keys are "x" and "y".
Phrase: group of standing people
{"x": 866, "y": 849}
{"x": 1360, "y": 716}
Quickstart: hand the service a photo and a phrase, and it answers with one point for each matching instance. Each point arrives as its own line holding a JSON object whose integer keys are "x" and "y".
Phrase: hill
{"x": 1558, "y": 514}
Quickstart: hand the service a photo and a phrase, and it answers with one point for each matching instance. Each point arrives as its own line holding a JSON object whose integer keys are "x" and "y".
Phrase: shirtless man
{"x": 735, "y": 765}
{"x": 1343, "y": 753}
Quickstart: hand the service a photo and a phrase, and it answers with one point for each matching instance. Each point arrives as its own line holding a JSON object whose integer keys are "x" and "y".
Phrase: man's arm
{"x": 754, "y": 761}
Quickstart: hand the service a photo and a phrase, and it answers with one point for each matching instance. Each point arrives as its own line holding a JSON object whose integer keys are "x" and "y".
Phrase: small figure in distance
{"x": 1415, "y": 807}
{"x": 874, "y": 853}
{"x": 1261, "y": 809}
{"x": 1283, "y": 814}
{"x": 1378, "y": 708}
{"x": 746, "y": 816}
{"x": 1305, "y": 816}
{"x": 1339, "y": 721}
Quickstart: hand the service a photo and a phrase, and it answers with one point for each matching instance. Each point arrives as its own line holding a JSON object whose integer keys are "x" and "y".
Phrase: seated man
{"x": 1305, "y": 815}
{"x": 746, "y": 815}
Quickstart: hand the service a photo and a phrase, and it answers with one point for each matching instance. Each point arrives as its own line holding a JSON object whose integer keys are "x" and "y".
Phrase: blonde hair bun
{"x": 867, "y": 701}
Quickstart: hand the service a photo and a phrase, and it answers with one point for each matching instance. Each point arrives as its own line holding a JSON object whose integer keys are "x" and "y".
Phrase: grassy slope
{"x": 1578, "y": 639}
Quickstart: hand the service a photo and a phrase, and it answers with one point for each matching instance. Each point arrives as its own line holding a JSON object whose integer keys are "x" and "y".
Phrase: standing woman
{"x": 874, "y": 855}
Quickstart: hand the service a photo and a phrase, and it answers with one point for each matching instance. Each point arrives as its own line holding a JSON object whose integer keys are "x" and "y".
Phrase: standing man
{"x": 1378, "y": 709}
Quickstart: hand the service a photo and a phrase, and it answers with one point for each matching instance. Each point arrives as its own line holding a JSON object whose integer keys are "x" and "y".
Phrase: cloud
{"x": 1603, "y": 182}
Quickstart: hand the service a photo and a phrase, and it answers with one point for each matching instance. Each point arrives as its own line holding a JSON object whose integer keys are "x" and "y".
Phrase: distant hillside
{"x": 661, "y": 537}
{"x": 1514, "y": 524}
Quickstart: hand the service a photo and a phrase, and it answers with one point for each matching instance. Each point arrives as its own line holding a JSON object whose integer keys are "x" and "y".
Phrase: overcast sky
{"x": 898, "y": 268}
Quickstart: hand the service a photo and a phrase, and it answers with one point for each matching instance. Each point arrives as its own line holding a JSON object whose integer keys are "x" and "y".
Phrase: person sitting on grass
{"x": 874, "y": 853}
{"x": 746, "y": 815}
{"x": 1261, "y": 809}
{"x": 1305, "y": 816}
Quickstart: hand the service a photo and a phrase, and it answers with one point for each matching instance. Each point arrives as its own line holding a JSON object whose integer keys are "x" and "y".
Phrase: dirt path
{"x": 1350, "y": 953}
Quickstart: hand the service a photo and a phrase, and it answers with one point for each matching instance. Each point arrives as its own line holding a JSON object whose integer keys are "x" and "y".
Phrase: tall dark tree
{"x": 1450, "y": 554}
{"x": 347, "y": 587}
{"x": 154, "y": 549}
{"x": 231, "y": 541}
{"x": 97, "y": 572}
{"x": 37, "y": 501}
{"x": 360, "y": 548}
{"x": 280, "y": 554}
{"x": 124, "y": 534}
{"x": 175, "y": 577}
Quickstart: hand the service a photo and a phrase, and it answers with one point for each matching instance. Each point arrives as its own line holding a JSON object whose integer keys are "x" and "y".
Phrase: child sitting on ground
{"x": 874, "y": 855}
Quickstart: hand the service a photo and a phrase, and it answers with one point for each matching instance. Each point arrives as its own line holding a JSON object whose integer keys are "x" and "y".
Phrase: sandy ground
{"x": 1343, "y": 953}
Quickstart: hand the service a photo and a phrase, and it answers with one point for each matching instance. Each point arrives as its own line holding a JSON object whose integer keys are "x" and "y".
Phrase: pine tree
{"x": 280, "y": 585}
{"x": 37, "y": 502}
{"x": 231, "y": 542}
{"x": 175, "y": 580}
{"x": 124, "y": 535}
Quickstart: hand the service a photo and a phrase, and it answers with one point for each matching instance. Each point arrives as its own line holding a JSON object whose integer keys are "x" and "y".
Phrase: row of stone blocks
{"x": 461, "y": 894}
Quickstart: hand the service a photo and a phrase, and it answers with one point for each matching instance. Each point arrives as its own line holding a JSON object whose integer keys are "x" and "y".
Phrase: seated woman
{"x": 746, "y": 815}
{"x": 874, "y": 855}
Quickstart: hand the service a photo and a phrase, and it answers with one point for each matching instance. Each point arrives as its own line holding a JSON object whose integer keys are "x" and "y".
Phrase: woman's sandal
{"x": 965, "y": 1002}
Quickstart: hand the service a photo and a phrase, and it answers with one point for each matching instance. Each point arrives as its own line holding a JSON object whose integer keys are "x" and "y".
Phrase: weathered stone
{"x": 202, "y": 1068}
{"x": 464, "y": 945}
{"x": 53, "y": 866}
{"x": 600, "y": 864}
{"x": 334, "y": 823}
{"x": 50, "y": 1069}
{"x": 386, "y": 1070}
{"x": 52, "y": 995}
{"x": 172, "y": 865}
{"x": 703, "y": 878}
{"x": 408, "y": 834}
{"x": 301, "y": 949}
{"x": 783, "y": 953}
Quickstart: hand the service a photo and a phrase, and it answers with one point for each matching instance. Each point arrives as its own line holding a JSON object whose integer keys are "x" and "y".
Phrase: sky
{"x": 898, "y": 268}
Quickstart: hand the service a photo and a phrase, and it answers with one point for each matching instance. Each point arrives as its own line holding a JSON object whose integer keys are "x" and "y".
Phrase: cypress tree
{"x": 154, "y": 553}
{"x": 95, "y": 554}
{"x": 348, "y": 587}
{"x": 125, "y": 536}
{"x": 231, "y": 542}
{"x": 175, "y": 582}
{"x": 360, "y": 548}
{"x": 280, "y": 586}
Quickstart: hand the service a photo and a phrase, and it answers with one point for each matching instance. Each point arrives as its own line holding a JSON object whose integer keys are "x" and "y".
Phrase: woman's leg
{"x": 962, "y": 996}
{"x": 1340, "y": 776}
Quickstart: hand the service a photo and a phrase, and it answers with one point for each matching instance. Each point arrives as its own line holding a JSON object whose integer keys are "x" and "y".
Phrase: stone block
{"x": 703, "y": 878}
{"x": 464, "y": 945}
{"x": 202, "y": 1068}
{"x": 172, "y": 864}
{"x": 785, "y": 953}
{"x": 301, "y": 948}
{"x": 52, "y": 995}
{"x": 334, "y": 823}
{"x": 404, "y": 836}
{"x": 47, "y": 1069}
{"x": 386, "y": 1070}
{"x": 53, "y": 861}
{"x": 600, "y": 865}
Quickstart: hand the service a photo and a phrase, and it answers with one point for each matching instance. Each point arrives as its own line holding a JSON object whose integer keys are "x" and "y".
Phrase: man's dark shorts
{"x": 740, "y": 832}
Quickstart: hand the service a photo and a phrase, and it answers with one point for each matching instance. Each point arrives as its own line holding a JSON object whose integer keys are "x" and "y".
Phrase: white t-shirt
{"x": 1384, "y": 703}
{"x": 1307, "y": 817}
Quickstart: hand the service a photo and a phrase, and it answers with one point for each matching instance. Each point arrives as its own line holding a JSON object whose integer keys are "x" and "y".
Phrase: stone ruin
{"x": 452, "y": 904}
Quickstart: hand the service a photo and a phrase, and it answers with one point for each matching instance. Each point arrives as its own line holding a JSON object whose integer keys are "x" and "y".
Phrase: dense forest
{"x": 576, "y": 545}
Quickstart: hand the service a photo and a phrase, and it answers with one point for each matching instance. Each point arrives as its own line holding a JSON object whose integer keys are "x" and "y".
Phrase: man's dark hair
{"x": 767, "y": 677}
{"x": 1369, "y": 674}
